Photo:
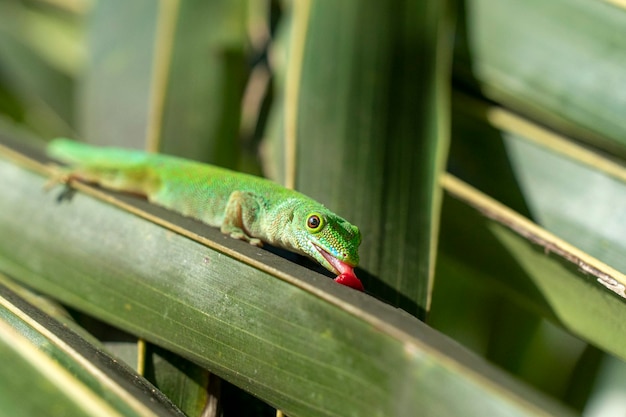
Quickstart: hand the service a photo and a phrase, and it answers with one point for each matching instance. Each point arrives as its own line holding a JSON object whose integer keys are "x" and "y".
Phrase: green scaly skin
{"x": 244, "y": 206}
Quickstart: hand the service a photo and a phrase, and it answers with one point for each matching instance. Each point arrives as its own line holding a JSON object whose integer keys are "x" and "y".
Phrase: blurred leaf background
{"x": 478, "y": 145}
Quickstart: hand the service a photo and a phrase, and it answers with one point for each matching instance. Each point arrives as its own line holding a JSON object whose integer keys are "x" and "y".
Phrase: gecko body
{"x": 243, "y": 206}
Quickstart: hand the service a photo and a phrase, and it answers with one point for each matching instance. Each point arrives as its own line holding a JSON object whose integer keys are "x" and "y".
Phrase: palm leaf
{"x": 69, "y": 375}
{"x": 376, "y": 157}
{"x": 284, "y": 333}
{"x": 180, "y": 67}
{"x": 560, "y": 62}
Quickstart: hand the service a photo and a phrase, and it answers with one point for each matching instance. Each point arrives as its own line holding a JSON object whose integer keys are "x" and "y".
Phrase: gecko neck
{"x": 276, "y": 224}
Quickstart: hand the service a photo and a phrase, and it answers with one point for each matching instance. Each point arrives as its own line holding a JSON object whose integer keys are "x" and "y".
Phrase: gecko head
{"x": 327, "y": 238}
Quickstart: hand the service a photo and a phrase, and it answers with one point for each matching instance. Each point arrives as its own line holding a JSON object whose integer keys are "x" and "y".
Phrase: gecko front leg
{"x": 241, "y": 213}
{"x": 61, "y": 176}
{"x": 58, "y": 176}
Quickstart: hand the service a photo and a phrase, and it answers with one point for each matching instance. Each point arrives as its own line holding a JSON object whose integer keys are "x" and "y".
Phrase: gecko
{"x": 244, "y": 206}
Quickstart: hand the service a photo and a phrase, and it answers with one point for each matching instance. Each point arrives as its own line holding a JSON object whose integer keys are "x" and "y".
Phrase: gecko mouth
{"x": 339, "y": 267}
{"x": 345, "y": 271}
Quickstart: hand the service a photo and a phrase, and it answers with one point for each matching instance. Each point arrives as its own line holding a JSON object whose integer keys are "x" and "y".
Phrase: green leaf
{"x": 478, "y": 154}
{"x": 42, "y": 88}
{"x": 169, "y": 77}
{"x": 182, "y": 381}
{"x": 569, "y": 190}
{"x": 573, "y": 192}
{"x": 611, "y": 379}
{"x": 542, "y": 271}
{"x": 365, "y": 130}
{"x": 286, "y": 334}
{"x": 560, "y": 62}
{"x": 62, "y": 373}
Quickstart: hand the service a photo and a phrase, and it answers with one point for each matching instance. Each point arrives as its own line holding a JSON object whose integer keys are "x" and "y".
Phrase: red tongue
{"x": 346, "y": 272}
{"x": 350, "y": 280}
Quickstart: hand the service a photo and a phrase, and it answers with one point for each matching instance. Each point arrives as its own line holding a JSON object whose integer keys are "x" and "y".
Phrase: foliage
{"x": 478, "y": 145}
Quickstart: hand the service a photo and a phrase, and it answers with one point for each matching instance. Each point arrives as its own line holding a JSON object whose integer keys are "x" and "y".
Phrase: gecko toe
{"x": 238, "y": 235}
{"x": 242, "y": 236}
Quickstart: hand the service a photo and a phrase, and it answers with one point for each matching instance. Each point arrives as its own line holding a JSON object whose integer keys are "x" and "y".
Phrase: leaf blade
{"x": 376, "y": 158}
{"x": 286, "y": 334}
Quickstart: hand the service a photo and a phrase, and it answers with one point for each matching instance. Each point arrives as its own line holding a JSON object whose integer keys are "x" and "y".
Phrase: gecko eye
{"x": 314, "y": 223}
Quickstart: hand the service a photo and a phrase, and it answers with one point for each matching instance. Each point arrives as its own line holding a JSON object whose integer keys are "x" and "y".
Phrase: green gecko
{"x": 243, "y": 206}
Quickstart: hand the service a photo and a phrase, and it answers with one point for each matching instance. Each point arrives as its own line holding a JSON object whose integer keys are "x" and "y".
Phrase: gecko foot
{"x": 242, "y": 236}
{"x": 59, "y": 176}
{"x": 63, "y": 177}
